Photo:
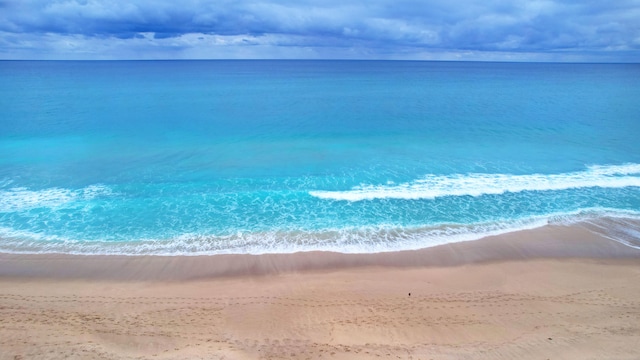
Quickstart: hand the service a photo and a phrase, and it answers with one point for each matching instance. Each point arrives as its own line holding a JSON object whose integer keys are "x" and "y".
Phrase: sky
{"x": 483, "y": 30}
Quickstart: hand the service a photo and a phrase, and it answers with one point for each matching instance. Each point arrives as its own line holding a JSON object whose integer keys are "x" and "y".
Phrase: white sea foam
{"x": 20, "y": 198}
{"x": 346, "y": 240}
{"x": 477, "y": 184}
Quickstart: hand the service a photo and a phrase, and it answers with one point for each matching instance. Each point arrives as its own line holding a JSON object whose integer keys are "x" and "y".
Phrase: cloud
{"x": 305, "y": 28}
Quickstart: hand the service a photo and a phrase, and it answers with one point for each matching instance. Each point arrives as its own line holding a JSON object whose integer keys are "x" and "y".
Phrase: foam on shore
{"x": 550, "y": 241}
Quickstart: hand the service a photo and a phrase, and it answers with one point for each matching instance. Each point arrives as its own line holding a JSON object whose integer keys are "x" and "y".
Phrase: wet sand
{"x": 554, "y": 292}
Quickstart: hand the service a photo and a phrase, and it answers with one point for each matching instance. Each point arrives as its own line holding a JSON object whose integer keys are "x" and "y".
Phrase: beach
{"x": 557, "y": 292}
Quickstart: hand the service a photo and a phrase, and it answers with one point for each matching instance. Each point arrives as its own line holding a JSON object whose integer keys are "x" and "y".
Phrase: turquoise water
{"x": 201, "y": 157}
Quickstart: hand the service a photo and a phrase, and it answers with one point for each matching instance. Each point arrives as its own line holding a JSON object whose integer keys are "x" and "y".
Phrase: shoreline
{"x": 551, "y": 241}
{"x": 621, "y": 225}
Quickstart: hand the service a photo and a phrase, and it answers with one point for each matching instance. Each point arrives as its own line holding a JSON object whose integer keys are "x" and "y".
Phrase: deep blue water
{"x": 175, "y": 157}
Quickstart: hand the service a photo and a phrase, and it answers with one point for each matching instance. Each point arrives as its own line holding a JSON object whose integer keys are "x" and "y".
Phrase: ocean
{"x": 210, "y": 157}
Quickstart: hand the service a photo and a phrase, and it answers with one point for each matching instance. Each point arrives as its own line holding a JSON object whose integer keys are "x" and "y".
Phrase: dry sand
{"x": 551, "y": 293}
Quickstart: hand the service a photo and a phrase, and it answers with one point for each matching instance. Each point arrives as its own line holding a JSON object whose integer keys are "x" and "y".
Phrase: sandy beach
{"x": 549, "y": 293}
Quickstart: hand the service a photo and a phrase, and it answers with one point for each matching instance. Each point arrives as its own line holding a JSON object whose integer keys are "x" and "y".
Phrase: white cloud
{"x": 554, "y": 29}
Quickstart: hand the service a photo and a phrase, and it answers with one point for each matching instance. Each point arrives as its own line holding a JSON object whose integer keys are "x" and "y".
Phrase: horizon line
{"x": 337, "y": 59}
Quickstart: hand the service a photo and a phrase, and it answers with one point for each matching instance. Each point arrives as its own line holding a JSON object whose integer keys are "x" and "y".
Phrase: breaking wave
{"x": 478, "y": 184}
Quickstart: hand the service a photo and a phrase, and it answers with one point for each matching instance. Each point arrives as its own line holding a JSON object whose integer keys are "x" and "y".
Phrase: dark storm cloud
{"x": 382, "y": 26}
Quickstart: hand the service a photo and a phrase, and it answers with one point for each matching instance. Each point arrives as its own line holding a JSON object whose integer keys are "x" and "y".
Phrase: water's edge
{"x": 548, "y": 242}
